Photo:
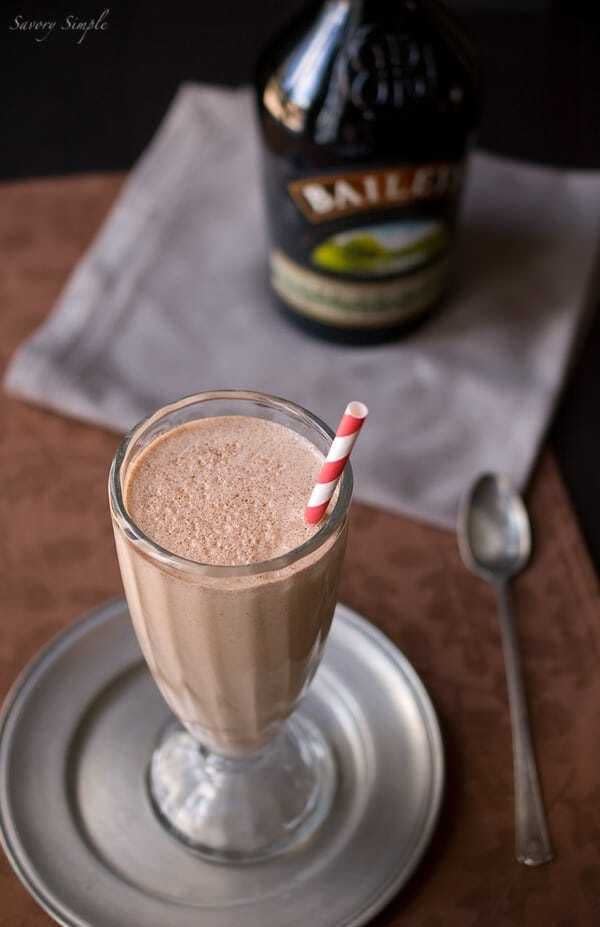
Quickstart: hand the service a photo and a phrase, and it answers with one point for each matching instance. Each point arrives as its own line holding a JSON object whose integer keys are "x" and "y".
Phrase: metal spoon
{"x": 495, "y": 543}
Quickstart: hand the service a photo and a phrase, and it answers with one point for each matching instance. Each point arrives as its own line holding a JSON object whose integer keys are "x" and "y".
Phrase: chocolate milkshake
{"x": 231, "y": 650}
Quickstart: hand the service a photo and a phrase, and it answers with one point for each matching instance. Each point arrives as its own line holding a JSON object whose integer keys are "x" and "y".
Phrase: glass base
{"x": 244, "y": 809}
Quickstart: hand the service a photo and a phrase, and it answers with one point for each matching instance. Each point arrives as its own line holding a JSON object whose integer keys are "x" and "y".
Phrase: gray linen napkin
{"x": 172, "y": 298}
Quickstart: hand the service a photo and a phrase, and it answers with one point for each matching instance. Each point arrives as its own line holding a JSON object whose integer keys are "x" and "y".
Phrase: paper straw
{"x": 339, "y": 452}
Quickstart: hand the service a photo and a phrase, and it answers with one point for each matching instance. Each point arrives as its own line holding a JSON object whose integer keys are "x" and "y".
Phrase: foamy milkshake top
{"x": 227, "y": 490}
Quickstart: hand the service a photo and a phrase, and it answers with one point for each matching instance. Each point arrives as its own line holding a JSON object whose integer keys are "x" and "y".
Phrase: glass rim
{"x": 154, "y": 550}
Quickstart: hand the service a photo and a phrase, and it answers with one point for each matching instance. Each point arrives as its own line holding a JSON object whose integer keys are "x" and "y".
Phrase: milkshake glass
{"x": 233, "y": 649}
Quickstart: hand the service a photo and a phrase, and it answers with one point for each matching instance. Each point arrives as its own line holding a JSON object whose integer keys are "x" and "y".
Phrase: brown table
{"x": 57, "y": 560}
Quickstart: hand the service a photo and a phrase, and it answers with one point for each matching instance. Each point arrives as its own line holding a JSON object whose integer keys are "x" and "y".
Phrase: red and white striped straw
{"x": 339, "y": 452}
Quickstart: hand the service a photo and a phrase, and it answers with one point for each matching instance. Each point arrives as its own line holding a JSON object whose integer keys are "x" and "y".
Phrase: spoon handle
{"x": 532, "y": 841}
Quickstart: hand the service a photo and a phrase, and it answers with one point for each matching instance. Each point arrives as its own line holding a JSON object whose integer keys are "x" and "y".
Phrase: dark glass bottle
{"x": 366, "y": 109}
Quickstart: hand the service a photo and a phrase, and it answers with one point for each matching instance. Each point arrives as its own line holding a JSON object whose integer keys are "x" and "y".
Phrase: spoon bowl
{"x": 494, "y": 532}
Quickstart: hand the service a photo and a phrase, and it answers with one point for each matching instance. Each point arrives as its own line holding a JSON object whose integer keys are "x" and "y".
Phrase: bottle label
{"x": 322, "y": 199}
{"x": 356, "y": 304}
{"x": 374, "y": 250}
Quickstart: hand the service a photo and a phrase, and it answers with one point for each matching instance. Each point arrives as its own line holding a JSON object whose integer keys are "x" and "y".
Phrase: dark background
{"x": 93, "y": 106}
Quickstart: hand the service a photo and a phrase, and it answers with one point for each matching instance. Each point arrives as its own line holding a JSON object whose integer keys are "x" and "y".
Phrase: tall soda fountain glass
{"x": 240, "y": 775}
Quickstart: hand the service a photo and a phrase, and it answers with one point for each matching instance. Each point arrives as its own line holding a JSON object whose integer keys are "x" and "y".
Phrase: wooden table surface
{"x": 58, "y": 560}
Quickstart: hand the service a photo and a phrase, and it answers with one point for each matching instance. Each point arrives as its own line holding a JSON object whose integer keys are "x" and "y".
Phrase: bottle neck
{"x": 378, "y": 6}
{"x": 372, "y": 10}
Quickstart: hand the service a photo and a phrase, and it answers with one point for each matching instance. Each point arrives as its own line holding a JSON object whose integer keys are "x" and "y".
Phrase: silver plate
{"x": 76, "y": 733}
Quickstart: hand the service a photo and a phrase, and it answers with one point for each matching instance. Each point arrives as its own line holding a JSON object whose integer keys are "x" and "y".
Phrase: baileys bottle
{"x": 366, "y": 110}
